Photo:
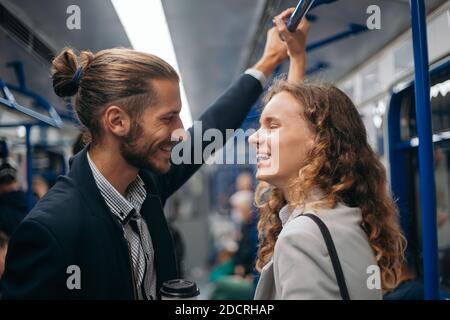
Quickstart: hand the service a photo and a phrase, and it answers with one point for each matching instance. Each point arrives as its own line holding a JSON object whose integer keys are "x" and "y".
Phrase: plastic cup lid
{"x": 179, "y": 288}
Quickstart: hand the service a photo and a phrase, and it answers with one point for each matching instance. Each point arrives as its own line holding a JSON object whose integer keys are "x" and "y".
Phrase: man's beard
{"x": 140, "y": 159}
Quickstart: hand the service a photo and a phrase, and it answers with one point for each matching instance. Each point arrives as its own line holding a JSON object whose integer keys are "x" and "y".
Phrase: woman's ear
{"x": 117, "y": 121}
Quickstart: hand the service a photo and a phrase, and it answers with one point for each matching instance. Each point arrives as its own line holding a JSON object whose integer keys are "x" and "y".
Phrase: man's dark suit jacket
{"x": 72, "y": 226}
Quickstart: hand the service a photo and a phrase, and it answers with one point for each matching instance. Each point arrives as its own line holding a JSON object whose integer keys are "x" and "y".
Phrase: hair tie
{"x": 76, "y": 77}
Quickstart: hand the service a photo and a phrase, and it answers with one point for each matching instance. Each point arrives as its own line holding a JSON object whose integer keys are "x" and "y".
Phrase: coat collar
{"x": 313, "y": 199}
{"x": 81, "y": 174}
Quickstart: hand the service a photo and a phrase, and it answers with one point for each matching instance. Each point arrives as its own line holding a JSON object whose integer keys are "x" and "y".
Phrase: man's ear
{"x": 117, "y": 121}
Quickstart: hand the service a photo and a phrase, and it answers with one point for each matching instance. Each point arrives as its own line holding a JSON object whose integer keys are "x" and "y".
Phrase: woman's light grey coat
{"x": 301, "y": 267}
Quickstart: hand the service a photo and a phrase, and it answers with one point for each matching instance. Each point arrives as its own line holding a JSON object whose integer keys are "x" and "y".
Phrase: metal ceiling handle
{"x": 9, "y": 101}
{"x": 300, "y": 11}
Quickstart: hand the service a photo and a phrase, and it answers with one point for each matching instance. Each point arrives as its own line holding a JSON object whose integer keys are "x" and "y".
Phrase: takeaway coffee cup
{"x": 179, "y": 289}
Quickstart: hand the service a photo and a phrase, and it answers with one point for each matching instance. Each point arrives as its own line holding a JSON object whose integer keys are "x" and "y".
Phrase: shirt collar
{"x": 119, "y": 205}
{"x": 286, "y": 216}
{"x": 314, "y": 197}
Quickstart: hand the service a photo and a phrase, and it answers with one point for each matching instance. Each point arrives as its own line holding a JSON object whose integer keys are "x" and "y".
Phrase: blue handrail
{"x": 426, "y": 156}
{"x": 9, "y": 101}
{"x": 42, "y": 120}
{"x": 321, "y": 2}
{"x": 317, "y": 67}
{"x": 352, "y": 30}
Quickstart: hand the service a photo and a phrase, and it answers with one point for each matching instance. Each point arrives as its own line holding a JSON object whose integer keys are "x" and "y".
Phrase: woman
{"x": 314, "y": 158}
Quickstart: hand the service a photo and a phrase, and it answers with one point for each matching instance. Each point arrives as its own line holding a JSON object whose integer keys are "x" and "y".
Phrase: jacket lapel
{"x": 265, "y": 290}
{"x": 81, "y": 173}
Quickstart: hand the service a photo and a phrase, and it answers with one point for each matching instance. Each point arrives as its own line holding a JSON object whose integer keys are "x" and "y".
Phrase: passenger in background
{"x": 321, "y": 174}
{"x": 227, "y": 228}
{"x": 244, "y": 258}
{"x": 233, "y": 277}
{"x": 13, "y": 202}
{"x": 244, "y": 182}
{"x": 13, "y": 208}
{"x": 40, "y": 187}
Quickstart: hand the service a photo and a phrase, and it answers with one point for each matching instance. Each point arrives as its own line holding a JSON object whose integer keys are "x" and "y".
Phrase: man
{"x": 100, "y": 232}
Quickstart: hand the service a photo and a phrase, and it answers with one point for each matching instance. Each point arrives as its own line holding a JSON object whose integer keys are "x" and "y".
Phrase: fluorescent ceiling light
{"x": 146, "y": 26}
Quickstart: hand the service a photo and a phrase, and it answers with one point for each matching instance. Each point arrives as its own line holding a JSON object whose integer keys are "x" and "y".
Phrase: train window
{"x": 370, "y": 82}
{"x": 442, "y": 175}
{"x": 440, "y": 106}
{"x": 349, "y": 89}
{"x": 373, "y": 117}
{"x": 403, "y": 58}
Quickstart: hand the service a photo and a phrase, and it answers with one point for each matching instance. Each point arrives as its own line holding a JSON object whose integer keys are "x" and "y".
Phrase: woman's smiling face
{"x": 283, "y": 140}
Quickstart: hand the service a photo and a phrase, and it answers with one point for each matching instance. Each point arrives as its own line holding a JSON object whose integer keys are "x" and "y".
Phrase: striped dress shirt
{"x": 127, "y": 210}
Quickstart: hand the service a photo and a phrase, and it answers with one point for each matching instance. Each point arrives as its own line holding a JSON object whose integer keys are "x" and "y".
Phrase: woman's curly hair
{"x": 343, "y": 166}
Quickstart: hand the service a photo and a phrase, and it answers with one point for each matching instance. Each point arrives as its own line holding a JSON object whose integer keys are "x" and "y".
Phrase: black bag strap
{"x": 333, "y": 255}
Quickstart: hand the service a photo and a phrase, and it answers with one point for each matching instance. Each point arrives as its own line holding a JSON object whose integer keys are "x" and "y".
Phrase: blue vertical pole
{"x": 426, "y": 157}
{"x": 29, "y": 167}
